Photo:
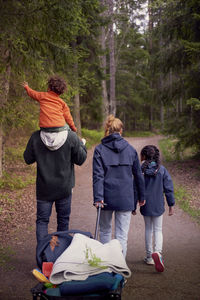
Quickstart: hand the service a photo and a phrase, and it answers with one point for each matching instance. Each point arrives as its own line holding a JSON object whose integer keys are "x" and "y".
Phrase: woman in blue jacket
{"x": 157, "y": 184}
{"x": 116, "y": 171}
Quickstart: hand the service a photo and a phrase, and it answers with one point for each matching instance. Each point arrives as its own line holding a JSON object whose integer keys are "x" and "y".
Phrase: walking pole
{"x": 97, "y": 221}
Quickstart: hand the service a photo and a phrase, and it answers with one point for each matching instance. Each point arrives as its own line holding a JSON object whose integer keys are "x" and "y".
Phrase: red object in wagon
{"x": 47, "y": 268}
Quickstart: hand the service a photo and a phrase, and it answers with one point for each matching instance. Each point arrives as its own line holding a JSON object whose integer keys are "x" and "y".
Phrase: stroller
{"x": 38, "y": 292}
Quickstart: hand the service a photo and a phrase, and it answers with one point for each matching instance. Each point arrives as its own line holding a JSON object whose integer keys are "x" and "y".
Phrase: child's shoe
{"x": 148, "y": 261}
{"x": 159, "y": 266}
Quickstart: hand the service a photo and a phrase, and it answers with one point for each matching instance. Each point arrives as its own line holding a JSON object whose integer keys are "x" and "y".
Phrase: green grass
{"x": 14, "y": 154}
{"x": 92, "y": 137}
{"x": 182, "y": 196}
{"x": 167, "y": 147}
{"x": 183, "y": 200}
{"x": 170, "y": 153}
{"x": 13, "y": 181}
{"x": 138, "y": 133}
{"x": 5, "y": 255}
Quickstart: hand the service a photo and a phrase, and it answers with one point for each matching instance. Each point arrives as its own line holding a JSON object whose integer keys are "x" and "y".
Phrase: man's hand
{"x": 84, "y": 141}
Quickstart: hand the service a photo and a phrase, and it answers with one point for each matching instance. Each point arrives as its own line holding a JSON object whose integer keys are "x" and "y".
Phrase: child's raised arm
{"x": 31, "y": 93}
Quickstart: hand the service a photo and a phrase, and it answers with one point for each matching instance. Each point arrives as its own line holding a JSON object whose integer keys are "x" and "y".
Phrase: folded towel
{"x": 85, "y": 257}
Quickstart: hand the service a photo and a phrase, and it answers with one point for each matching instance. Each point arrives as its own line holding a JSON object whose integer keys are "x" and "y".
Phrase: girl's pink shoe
{"x": 159, "y": 266}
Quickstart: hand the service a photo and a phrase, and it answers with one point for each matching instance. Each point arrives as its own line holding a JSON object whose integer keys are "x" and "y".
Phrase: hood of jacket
{"x": 53, "y": 140}
{"x": 115, "y": 142}
{"x": 151, "y": 169}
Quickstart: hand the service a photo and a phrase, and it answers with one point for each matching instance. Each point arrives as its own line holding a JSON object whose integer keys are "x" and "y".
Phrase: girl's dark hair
{"x": 57, "y": 85}
{"x": 150, "y": 153}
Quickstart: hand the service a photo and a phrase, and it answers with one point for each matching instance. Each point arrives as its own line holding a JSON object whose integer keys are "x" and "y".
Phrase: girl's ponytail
{"x": 113, "y": 125}
{"x": 150, "y": 153}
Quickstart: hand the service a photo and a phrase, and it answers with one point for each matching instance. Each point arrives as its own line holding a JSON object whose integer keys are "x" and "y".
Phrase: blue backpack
{"x": 46, "y": 253}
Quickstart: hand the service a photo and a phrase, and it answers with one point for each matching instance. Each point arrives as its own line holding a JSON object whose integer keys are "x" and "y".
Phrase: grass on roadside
{"x": 138, "y": 133}
{"x": 14, "y": 154}
{"x": 182, "y": 196}
{"x": 5, "y": 255}
{"x": 92, "y": 137}
{"x": 13, "y": 159}
{"x": 13, "y": 181}
{"x": 168, "y": 148}
{"x": 183, "y": 200}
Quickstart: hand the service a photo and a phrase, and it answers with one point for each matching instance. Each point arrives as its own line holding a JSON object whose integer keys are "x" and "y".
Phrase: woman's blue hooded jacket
{"x": 116, "y": 170}
{"x": 158, "y": 183}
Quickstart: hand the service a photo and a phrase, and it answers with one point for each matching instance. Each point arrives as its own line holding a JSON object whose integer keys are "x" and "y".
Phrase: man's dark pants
{"x": 44, "y": 209}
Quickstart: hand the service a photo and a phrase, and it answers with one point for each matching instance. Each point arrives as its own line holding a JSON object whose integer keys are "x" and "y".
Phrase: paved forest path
{"x": 181, "y": 250}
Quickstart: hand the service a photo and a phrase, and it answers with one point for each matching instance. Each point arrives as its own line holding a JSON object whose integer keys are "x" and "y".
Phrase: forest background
{"x": 138, "y": 60}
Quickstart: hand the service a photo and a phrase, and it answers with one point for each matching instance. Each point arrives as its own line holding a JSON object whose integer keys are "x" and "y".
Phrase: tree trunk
{"x": 4, "y": 90}
{"x": 182, "y": 90}
{"x": 150, "y": 25}
{"x": 112, "y": 60}
{"x": 77, "y": 117}
{"x": 76, "y": 110}
{"x": 161, "y": 81}
{"x": 151, "y": 117}
{"x": 162, "y": 114}
{"x": 105, "y": 104}
{"x": 161, "y": 87}
{"x": 1, "y": 151}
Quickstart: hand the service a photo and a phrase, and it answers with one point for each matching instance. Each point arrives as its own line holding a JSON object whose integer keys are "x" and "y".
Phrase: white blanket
{"x": 85, "y": 257}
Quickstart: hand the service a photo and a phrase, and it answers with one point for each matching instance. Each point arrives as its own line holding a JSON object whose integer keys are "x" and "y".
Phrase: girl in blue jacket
{"x": 116, "y": 171}
{"x": 157, "y": 184}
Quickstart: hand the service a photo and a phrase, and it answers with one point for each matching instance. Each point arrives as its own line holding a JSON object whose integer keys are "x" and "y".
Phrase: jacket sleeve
{"x": 168, "y": 188}
{"x": 68, "y": 117}
{"x": 29, "y": 155}
{"x": 79, "y": 151}
{"x": 139, "y": 179}
{"x": 98, "y": 177}
{"x": 33, "y": 94}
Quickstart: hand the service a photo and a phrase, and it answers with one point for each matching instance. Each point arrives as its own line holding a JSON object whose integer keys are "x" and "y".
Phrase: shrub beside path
{"x": 180, "y": 280}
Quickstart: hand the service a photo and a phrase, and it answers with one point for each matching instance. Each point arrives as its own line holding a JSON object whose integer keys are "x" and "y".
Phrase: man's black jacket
{"x": 55, "y": 169}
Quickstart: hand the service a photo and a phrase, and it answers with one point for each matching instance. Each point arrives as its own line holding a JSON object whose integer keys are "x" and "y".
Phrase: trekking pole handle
{"x": 99, "y": 206}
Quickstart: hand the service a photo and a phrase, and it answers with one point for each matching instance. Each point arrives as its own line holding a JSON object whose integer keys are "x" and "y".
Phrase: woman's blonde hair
{"x": 113, "y": 125}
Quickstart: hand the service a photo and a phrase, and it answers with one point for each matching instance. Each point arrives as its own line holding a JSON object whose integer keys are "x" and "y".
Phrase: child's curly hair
{"x": 57, "y": 85}
{"x": 113, "y": 125}
{"x": 150, "y": 153}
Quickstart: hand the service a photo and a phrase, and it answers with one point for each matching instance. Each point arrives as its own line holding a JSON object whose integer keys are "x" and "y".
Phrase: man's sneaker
{"x": 159, "y": 266}
{"x": 148, "y": 261}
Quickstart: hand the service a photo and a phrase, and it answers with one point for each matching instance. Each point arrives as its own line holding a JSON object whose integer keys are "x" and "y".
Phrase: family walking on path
{"x": 120, "y": 184}
{"x": 181, "y": 277}
{"x": 118, "y": 181}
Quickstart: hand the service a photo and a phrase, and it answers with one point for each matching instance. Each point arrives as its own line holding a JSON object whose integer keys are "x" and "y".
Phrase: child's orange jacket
{"x": 54, "y": 112}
